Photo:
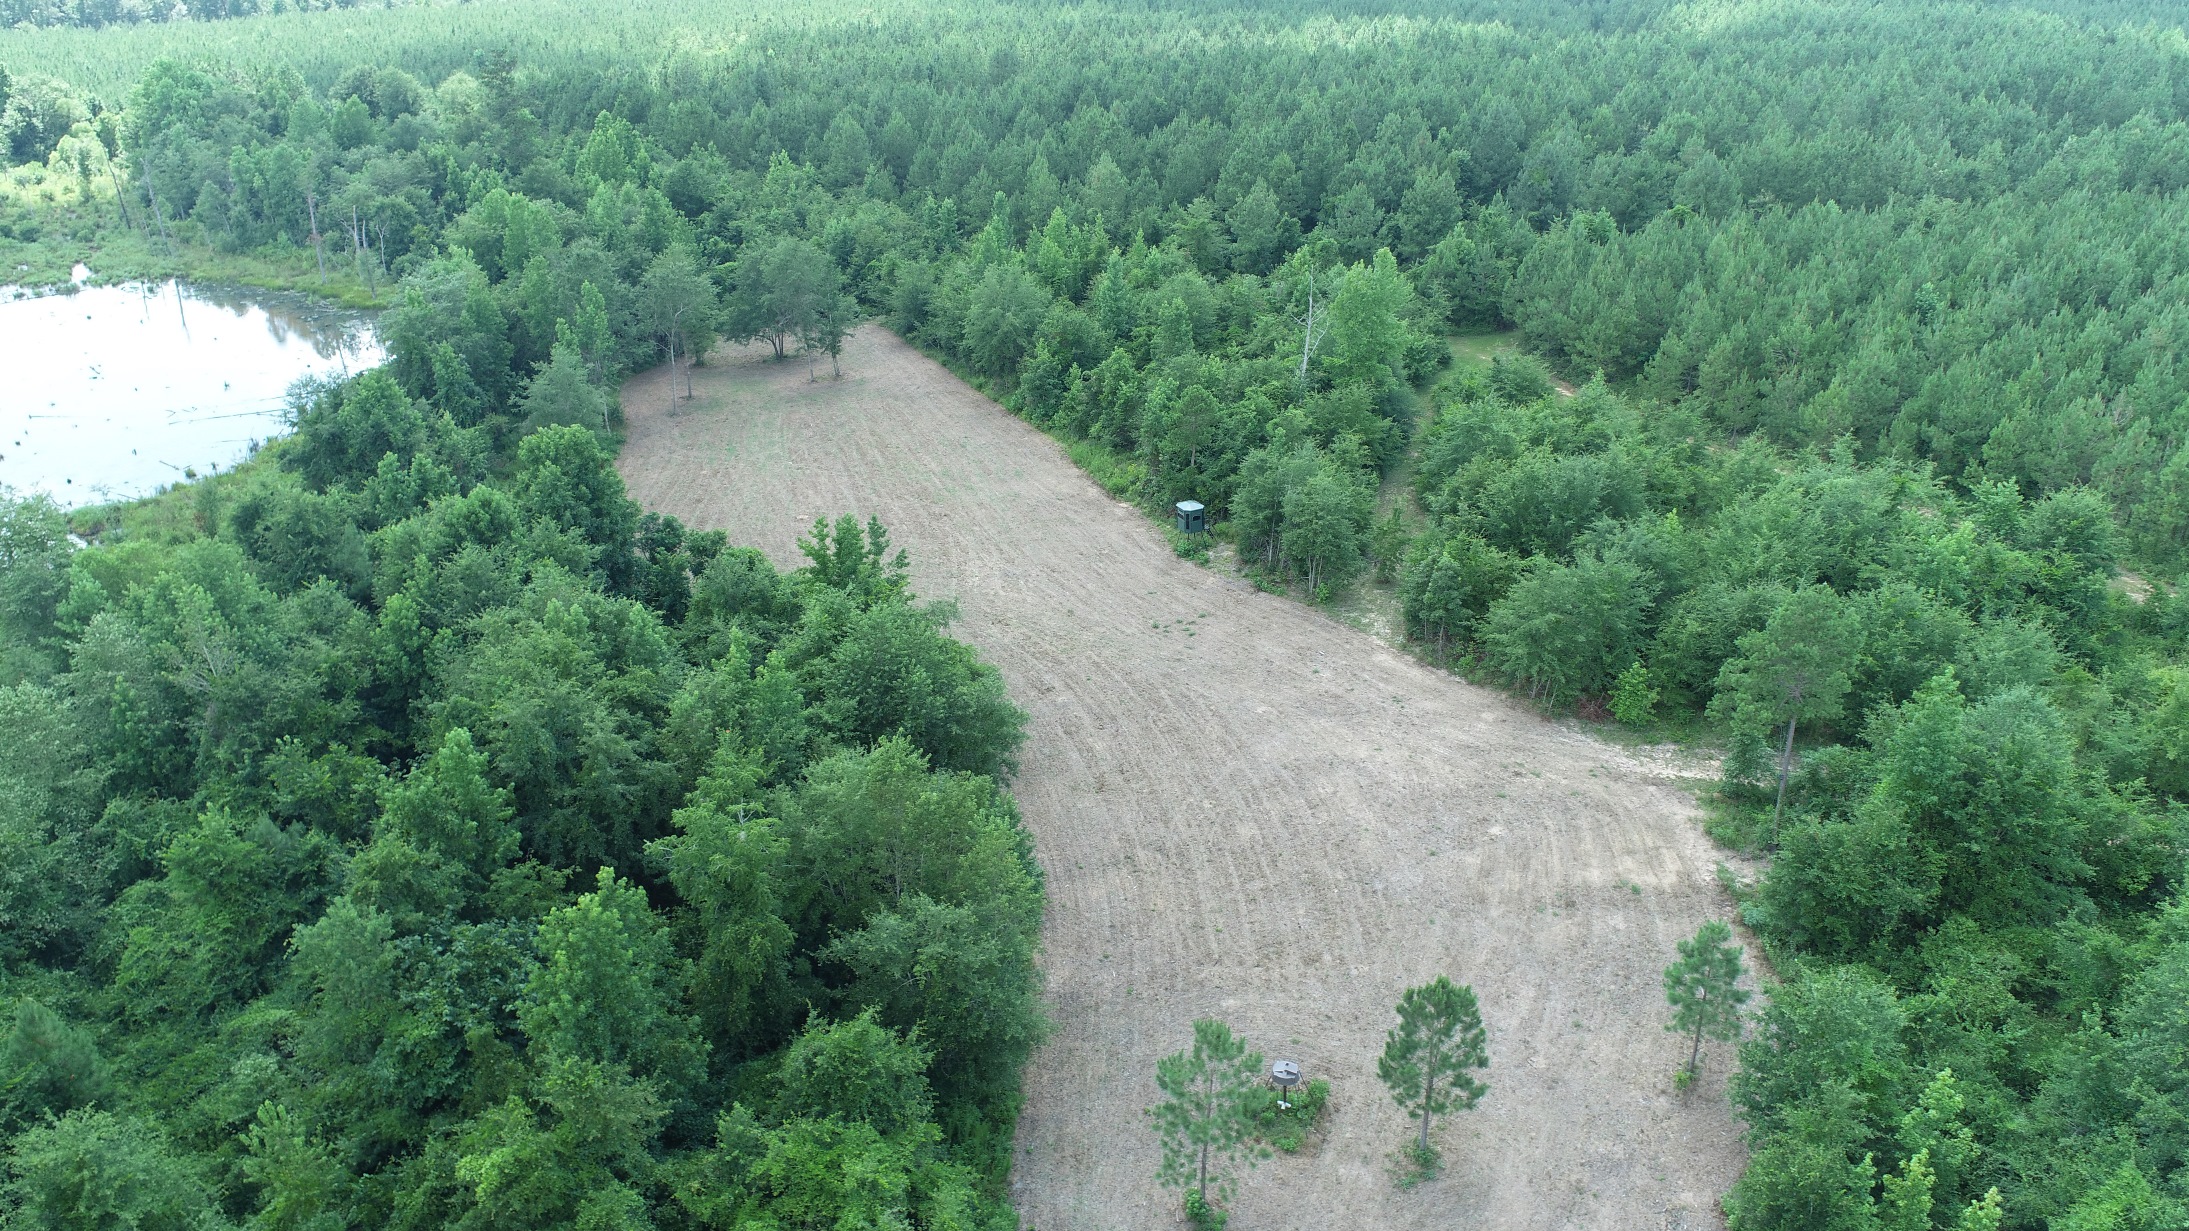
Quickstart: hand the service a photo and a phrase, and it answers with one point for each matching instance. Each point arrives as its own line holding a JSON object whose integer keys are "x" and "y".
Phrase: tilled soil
{"x": 1249, "y": 810}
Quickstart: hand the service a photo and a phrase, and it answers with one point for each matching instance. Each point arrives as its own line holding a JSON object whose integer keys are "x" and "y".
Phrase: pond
{"x": 111, "y": 392}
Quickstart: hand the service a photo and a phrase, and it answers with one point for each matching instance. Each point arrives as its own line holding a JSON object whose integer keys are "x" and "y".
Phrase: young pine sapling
{"x": 1703, "y": 989}
{"x": 1212, "y": 1094}
{"x": 1429, "y": 1056}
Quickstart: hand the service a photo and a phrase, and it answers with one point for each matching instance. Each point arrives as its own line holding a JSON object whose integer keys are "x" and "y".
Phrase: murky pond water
{"x": 113, "y": 391}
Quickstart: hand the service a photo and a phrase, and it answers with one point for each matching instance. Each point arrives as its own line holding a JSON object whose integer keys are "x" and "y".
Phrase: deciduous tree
{"x": 778, "y": 286}
{"x": 1324, "y": 520}
{"x": 680, "y": 308}
{"x": 834, "y": 317}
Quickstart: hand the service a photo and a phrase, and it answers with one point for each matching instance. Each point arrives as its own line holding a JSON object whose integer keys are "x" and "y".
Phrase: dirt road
{"x": 1249, "y": 810}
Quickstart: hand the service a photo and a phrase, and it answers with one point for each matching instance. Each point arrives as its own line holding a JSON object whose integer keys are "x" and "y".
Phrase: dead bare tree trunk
{"x": 121, "y": 200}
{"x": 357, "y": 245}
{"x": 1311, "y": 330}
{"x": 311, "y": 203}
{"x": 159, "y": 217}
{"x": 380, "y": 258}
{"x": 1786, "y": 764}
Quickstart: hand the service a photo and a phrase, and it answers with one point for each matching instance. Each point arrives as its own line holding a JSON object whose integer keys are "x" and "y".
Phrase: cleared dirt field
{"x": 1249, "y": 810}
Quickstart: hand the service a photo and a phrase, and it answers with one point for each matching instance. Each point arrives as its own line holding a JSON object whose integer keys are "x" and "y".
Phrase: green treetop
{"x": 1429, "y": 1056}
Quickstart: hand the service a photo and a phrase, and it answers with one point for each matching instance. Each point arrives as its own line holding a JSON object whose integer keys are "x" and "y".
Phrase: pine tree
{"x": 1794, "y": 668}
{"x": 1703, "y": 989}
{"x": 561, "y": 394}
{"x": 1428, "y": 1055}
{"x": 1212, "y": 1093}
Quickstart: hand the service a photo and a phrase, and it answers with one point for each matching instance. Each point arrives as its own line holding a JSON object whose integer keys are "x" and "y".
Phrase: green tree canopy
{"x": 1429, "y": 1058}
{"x": 1212, "y": 1092}
{"x": 1703, "y": 989}
{"x": 563, "y": 395}
{"x": 778, "y": 288}
{"x": 1795, "y": 668}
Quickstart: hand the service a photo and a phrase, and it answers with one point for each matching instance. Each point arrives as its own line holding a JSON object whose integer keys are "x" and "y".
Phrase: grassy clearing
{"x": 1480, "y": 346}
{"x": 1144, "y": 728}
{"x": 1119, "y": 475}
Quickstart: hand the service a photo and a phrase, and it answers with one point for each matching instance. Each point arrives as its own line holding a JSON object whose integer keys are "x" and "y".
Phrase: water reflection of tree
{"x": 330, "y": 332}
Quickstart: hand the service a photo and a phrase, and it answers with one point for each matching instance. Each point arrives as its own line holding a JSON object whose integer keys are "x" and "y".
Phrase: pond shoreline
{"x": 89, "y": 235}
{"x": 122, "y": 390}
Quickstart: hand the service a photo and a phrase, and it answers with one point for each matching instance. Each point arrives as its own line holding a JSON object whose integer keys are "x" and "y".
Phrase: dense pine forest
{"x": 404, "y": 831}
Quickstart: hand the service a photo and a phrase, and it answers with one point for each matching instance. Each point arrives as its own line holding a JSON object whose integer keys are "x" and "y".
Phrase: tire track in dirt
{"x": 1275, "y": 819}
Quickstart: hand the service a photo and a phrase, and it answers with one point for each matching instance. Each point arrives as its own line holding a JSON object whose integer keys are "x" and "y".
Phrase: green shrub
{"x": 1633, "y": 701}
{"x": 1286, "y": 1128}
{"x": 1194, "y": 547}
{"x": 1417, "y": 1165}
{"x": 1119, "y": 476}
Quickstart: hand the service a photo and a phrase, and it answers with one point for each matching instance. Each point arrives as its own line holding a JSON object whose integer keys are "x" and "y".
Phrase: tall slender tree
{"x": 833, "y": 319}
{"x": 1206, "y": 1119}
{"x": 680, "y": 306}
{"x": 1794, "y": 668}
{"x": 1703, "y": 989}
{"x": 1429, "y": 1057}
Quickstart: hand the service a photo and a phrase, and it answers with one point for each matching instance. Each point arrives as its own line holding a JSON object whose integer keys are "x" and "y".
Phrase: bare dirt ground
{"x": 1250, "y": 810}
